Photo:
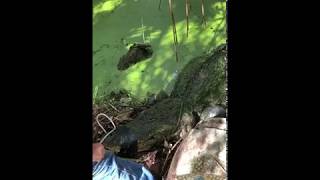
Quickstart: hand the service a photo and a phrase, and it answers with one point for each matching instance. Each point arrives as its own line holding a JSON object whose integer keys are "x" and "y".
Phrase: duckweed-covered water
{"x": 117, "y": 24}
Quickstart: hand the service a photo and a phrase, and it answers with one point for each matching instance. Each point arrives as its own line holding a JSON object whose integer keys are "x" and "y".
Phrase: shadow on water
{"x": 117, "y": 26}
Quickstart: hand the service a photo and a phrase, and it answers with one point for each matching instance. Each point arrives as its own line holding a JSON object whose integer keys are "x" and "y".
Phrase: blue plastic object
{"x": 112, "y": 167}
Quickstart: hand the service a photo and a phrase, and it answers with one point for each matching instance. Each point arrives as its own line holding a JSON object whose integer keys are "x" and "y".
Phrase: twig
{"x": 206, "y": 126}
{"x": 218, "y": 162}
{"x": 219, "y": 128}
{"x": 176, "y": 144}
{"x": 187, "y": 15}
{"x": 142, "y": 27}
{"x": 175, "y": 37}
{"x": 170, "y": 150}
{"x": 116, "y": 118}
{"x": 95, "y": 94}
{"x": 202, "y": 11}
{"x": 167, "y": 169}
{"x": 180, "y": 113}
{"x": 114, "y": 126}
{"x": 113, "y": 107}
{"x": 159, "y": 7}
